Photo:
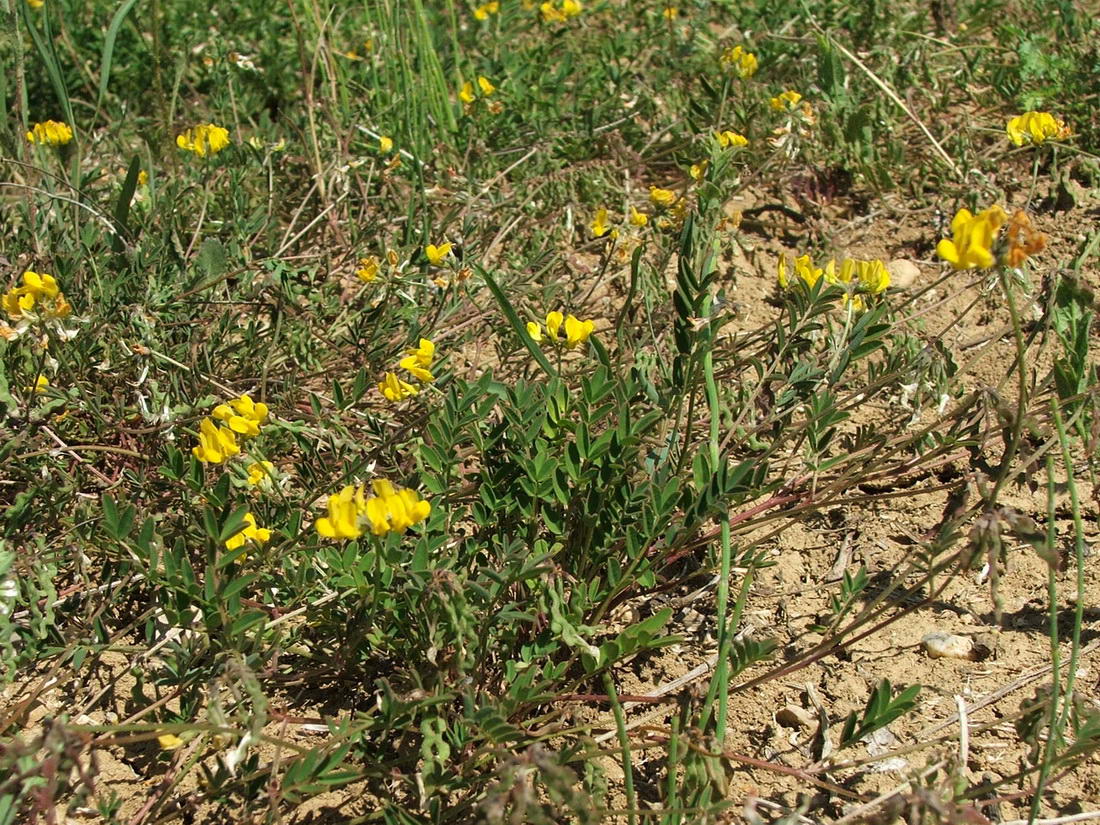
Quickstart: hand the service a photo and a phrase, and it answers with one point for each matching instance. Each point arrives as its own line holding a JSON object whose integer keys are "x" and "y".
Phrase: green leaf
{"x": 518, "y": 325}
{"x": 109, "y": 50}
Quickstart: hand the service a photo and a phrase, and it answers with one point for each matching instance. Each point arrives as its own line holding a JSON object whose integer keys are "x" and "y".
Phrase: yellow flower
{"x": 143, "y": 178}
{"x": 786, "y": 102}
{"x": 389, "y": 510}
{"x": 803, "y": 268}
{"x": 368, "y": 269}
{"x": 466, "y": 93}
{"x": 50, "y": 132}
{"x": 697, "y": 170}
{"x": 534, "y": 330}
{"x": 243, "y": 415}
{"x": 869, "y": 276}
{"x": 1035, "y": 128}
{"x": 418, "y": 372}
{"x": 204, "y": 139}
{"x": 216, "y": 444}
{"x": 671, "y": 12}
{"x": 250, "y": 532}
{"x": 550, "y": 14}
{"x": 385, "y": 144}
{"x": 971, "y": 246}
{"x": 168, "y": 741}
{"x": 423, "y": 353}
{"x": 1024, "y": 240}
{"x": 260, "y": 472}
{"x": 661, "y": 197}
{"x": 486, "y": 87}
{"x": 570, "y": 8}
{"x": 437, "y": 254}
{"x": 599, "y": 225}
{"x": 577, "y": 332}
{"x": 41, "y": 383}
{"x": 38, "y": 290}
{"x": 394, "y": 389}
{"x": 743, "y": 63}
{"x": 483, "y": 11}
{"x": 638, "y": 218}
{"x": 342, "y": 521}
{"x": 727, "y": 138}
{"x": 554, "y": 321}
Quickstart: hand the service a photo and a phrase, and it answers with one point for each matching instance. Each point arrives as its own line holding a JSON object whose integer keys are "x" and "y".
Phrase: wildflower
{"x": 638, "y": 218}
{"x": 389, "y": 510}
{"x": 168, "y": 741}
{"x": 487, "y": 88}
{"x": 599, "y": 225}
{"x": 437, "y": 254}
{"x": 394, "y": 389}
{"x": 661, "y": 197}
{"x": 1024, "y": 240}
{"x": 868, "y": 276}
{"x": 576, "y": 331}
{"x": 204, "y": 139}
{"x": 1035, "y": 128}
{"x": 570, "y": 8}
{"x": 559, "y": 14}
{"x": 385, "y": 144}
{"x": 423, "y": 353}
{"x": 697, "y": 170}
{"x": 38, "y": 295}
{"x": 143, "y": 178}
{"x": 50, "y": 132}
{"x": 743, "y": 63}
{"x": 727, "y": 139}
{"x": 260, "y": 472}
{"x": 250, "y": 532}
{"x": 803, "y": 268}
{"x": 483, "y": 11}
{"x": 418, "y": 372}
{"x": 368, "y": 269}
{"x": 787, "y": 101}
{"x": 670, "y": 12}
{"x": 216, "y": 444}
{"x": 971, "y": 246}
{"x": 243, "y": 415}
{"x": 40, "y": 385}
{"x": 466, "y": 93}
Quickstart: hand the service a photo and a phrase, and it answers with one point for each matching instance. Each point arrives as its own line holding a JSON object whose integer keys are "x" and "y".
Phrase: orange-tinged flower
{"x": 51, "y": 133}
{"x": 1035, "y": 128}
{"x": 368, "y": 269}
{"x": 1024, "y": 240}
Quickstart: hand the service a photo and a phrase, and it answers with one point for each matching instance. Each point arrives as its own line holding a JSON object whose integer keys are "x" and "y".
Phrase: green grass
{"x": 564, "y": 484}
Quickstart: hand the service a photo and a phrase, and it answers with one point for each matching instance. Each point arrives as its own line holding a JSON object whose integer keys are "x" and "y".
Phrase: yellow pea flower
{"x": 418, "y": 372}
{"x": 466, "y": 93}
{"x": 670, "y": 12}
{"x": 50, "y": 132}
{"x": 661, "y": 197}
{"x": 168, "y": 741}
{"x": 216, "y": 444}
{"x": 204, "y": 139}
{"x": 803, "y": 268}
{"x": 243, "y": 415}
{"x": 483, "y": 11}
{"x": 423, "y": 353}
{"x": 143, "y": 178}
{"x": 599, "y": 225}
{"x": 437, "y": 254}
{"x": 368, "y": 269}
{"x": 726, "y": 139}
{"x": 742, "y": 62}
{"x": 40, "y": 385}
{"x": 486, "y": 87}
{"x": 250, "y": 532}
{"x": 534, "y": 330}
{"x": 385, "y": 144}
{"x": 1035, "y": 128}
{"x": 394, "y": 389}
{"x": 577, "y": 332}
{"x": 260, "y": 472}
{"x": 638, "y": 218}
{"x": 971, "y": 245}
{"x": 570, "y": 8}
{"x": 786, "y": 102}
{"x": 342, "y": 521}
{"x": 554, "y": 320}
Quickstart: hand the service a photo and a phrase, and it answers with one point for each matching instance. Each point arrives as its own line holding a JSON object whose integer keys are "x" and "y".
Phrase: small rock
{"x": 903, "y": 272}
{"x": 940, "y": 645}
{"x": 793, "y": 716}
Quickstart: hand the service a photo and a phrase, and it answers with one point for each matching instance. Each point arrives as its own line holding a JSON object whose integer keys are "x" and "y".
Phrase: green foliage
{"x": 882, "y": 709}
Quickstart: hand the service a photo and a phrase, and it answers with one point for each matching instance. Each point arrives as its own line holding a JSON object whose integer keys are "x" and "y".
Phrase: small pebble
{"x": 903, "y": 273}
{"x": 793, "y": 716}
{"x": 940, "y": 645}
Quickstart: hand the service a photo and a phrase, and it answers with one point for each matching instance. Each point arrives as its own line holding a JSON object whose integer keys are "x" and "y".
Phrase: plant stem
{"x": 624, "y": 745}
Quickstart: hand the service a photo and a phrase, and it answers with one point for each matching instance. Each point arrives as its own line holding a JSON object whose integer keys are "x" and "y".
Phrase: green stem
{"x": 1013, "y": 445}
{"x": 624, "y": 744}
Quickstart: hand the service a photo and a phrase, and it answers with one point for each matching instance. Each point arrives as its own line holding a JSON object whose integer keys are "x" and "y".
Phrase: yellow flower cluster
{"x": 1035, "y": 128}
{"x": 787, "y": 101}
{"x": 741, "y": 62}
{"x": 469, "y": 94}
{"x": 601, "y": 226}
{"x": 418, "y": 363}
{"x": 260, "y": 473}
{"x": 219, "y": 443}
{"x": 484, "y": 11}
{"x": 250, "y": 532}
{"x": 971, "y": 245}
{"x": 370, "y": 268}
{"x": 204, "y": 139}
{"x": 559, "y": 13}
{"x": 389, "y": 510}
{"x": 576, "y": 331}
{"x": 38, "y": 297}
{"x": 855, "y": 276}
{"x": 51, "y": 133}
{"x": 727, "y": 139}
